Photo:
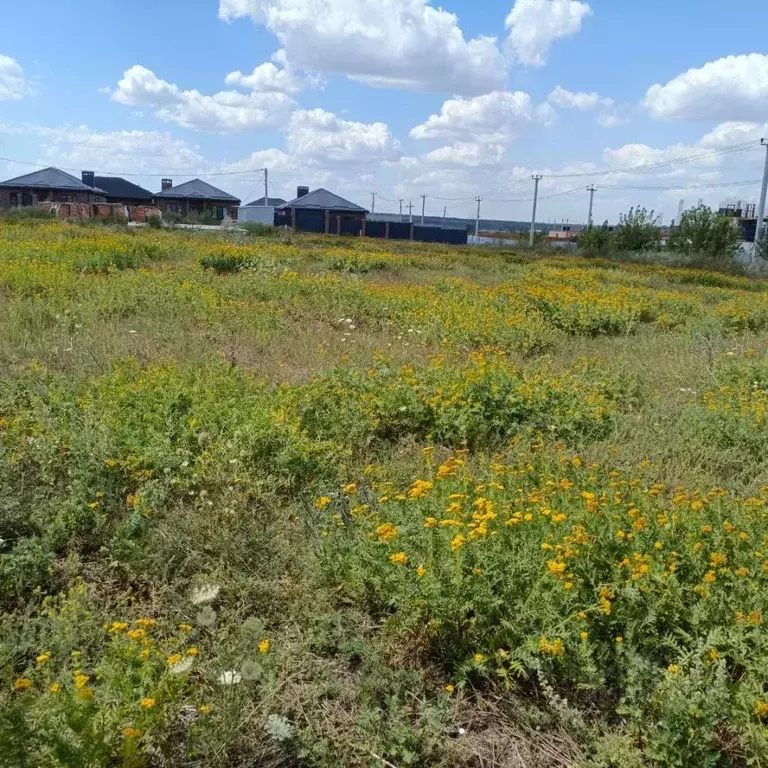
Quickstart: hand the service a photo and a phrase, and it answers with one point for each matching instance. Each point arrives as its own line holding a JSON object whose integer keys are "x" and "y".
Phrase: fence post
{"x": 386, "y": 230}
{"x": 362, "y": 228}
{"x": 338, "y": 225}
{"x": 293, "y": 219}
{"x": 410, "y": 232}
{"x": 327, "y": 221}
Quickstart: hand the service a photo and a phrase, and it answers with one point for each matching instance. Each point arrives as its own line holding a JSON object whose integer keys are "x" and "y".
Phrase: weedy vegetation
{"x": 287, "y": 501}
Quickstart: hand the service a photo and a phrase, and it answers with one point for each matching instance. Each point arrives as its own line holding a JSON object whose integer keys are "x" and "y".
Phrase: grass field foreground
{"x": 305, "y": 501}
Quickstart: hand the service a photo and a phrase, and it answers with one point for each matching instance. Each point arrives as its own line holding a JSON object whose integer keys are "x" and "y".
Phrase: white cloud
{"x": 323, "y": 137}
{"x": 398, "y": 43}
{"x": 735, "y": 87}
{"x": 13, "y": 84}
{"x": 466, "y": 155}
{"x": 610, "y": 119}
{"x": 268, "y": 77}
{"x": 223, "y": 112}
{"x": 535, "y": 25}
{"x": 561, "y": 97}
{"x": 493, "y": 118}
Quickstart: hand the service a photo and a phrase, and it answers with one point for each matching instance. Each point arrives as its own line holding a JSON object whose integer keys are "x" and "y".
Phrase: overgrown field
{"x": 295, "y": 501}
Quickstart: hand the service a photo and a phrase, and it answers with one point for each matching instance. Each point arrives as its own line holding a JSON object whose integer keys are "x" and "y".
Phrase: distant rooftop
{"x": 115, "y": 186}
{"x": 273, "y": 201}
{"x": 197, "y": 189}
{"x": 323, "y": 200}
{"x": 50, "y": 178}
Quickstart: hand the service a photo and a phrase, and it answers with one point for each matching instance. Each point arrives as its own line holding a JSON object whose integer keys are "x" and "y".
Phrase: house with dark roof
{"x": 118, "y": 190}
{"x": 273, "y": 201}
{"x": 196, "y": 197}
{"x": 321, "y": 211}
{"x": 49, "y": 185}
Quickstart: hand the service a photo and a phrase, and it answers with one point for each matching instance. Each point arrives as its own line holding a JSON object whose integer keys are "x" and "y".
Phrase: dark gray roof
{"x": 274, "y": 201}
{"x": 115, "y": 186}
{"x": 197, "y": 189}
{"x": 323, "y": 200}
{"x": 50, "y": 178}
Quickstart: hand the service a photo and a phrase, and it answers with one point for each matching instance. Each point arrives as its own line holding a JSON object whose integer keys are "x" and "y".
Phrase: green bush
{"x": 637, "y": 231}
{"x": 702, "y": 231}
{"x": 155, "y": 221}
{"x": 26, "y": 214}
{"x": 595, "y": 240}
{"x": 257, "y": 229}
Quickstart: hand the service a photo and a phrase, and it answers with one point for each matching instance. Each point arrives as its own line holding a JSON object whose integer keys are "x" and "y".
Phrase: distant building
{"x": 197, "y": 197}
{"x": 50, "y": 185}
{"x": 321, "y": 211}
{"x": 273, "y": 201}
{"x": 745, "y": 215}
{"x": 119, "y": 190}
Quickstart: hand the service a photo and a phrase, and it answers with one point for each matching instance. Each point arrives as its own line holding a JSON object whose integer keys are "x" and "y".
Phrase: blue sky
{"x": 401, "y": 97}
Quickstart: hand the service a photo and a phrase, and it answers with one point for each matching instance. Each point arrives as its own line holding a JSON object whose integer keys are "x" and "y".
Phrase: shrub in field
{"x": 257, "y": 229}
{"x": 638, "y": 600}
{"x": 595, "y": 240}
{"x": 26, "y": 215}
{"x": 480, "y": 403}
{"x": 637, "y": 231}
{"x": 224, "y": 263}
{"x": 702, "y": 231}
{"x": 155, "y": 221}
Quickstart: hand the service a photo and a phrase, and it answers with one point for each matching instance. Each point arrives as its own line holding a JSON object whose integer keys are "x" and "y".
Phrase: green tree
{"x": 637, "y": 231}
{"x": 594, "y": 239}
{"x": 704, "y": 232}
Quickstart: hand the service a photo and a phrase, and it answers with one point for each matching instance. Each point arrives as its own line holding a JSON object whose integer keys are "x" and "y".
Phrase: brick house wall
{"x": 184, "y": 206}
{"x": 8, "y": 194}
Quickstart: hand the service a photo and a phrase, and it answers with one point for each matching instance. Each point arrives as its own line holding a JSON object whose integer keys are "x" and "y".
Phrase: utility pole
{"x": 401, "y": 208}
{"x": 445, "y": 212}
{"x": 373, "y": 202}
{"x": 266, "y": 187}
{"x": 591, "y": 189}
{"x": 477, "y": 218}
{"x": 759, "y": 233}
{"x": 423, "y": 205}
{"x": 410, "y": 211}
{"x": 536, "y": 178}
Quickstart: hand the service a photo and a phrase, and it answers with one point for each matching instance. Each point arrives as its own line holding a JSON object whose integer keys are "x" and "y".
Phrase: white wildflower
{"x": 183, "y": 666}
{"x": 230, "y": 677}
{"x": 278, "y": 728}
{"x": 205, "y": 594}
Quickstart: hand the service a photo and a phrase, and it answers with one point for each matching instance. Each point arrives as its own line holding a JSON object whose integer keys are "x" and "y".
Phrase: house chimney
{"x": 88, "y": 178}
{"x": 166, "y": 184}
{"x": 301, "y": 191}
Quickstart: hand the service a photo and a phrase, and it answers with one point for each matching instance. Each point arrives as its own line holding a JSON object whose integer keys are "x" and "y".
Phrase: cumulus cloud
{"x": 388, "y": 43}
{"x": 494, "y": 118}
{"x": 565, "y": 99}
{"x": 535, "y": 25}
{"x": 268, "y": 77}
{"x": 223, "y": 112}
{"x": 13, "y": 84}
{"x": 322, "y": 136}
{"x": 466, "y": 155}
{"x": 735, "y": 87}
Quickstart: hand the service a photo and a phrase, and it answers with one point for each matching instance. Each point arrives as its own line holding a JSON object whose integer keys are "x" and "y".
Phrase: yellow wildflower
{"x": 322, "y": 502}
{"x": 185, "y": 627}
{"x": 174, "y": 659}
{"x": 761, "y": 708}
{"x": 131, "y": 733}
{"x": 430, "y": 522}
{"x": 42, "y": 658}
{"x": 449, "y": 689}
{"x": 264, "y": 646}
{"x": 193, "y": 651}
{"x": 55, "y": 688}
{"x": 386, "y": 532}
{"x": 457, "y": 543}
{"x": 204, "y": 709}
{"x": 399, "y": 558}
{"x": 136, "y": 634}
{"x": 349, "y": 488}
{"x": 81, "y": 680}
{"x": 421, "y": 570}
{"x": 479, "y": 658}
{"x": 147, "y": 703}
{"x": 22, "y": 684}
{"x": 117, "y": 626}
{"x": 146, "y": 622}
